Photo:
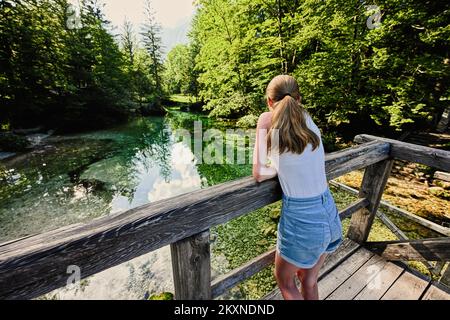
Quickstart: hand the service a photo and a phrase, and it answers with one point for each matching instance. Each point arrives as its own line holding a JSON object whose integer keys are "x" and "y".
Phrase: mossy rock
{"x": 162, "y": 296}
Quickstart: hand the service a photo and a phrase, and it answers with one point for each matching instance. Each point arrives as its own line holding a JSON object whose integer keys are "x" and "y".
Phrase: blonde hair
{"x": 289, "y": 117}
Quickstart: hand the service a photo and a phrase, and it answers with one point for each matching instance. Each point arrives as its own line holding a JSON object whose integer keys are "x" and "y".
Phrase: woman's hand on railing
{"x": 265, "y": 173}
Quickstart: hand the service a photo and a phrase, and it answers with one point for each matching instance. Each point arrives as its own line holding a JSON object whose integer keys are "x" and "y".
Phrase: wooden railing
{"x": 35, "y": 265}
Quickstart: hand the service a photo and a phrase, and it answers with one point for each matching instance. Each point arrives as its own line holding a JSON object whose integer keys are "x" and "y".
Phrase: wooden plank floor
{"x": 354, "y": 273}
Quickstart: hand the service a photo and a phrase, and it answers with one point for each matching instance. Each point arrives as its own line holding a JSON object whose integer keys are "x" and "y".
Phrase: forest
{"x": 377, "y": 66}
{"x": 69, "y": 69}
{"x": 380, "y": 66}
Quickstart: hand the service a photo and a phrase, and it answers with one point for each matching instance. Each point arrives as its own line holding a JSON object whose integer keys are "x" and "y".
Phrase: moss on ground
{"x": 245, "y": 238}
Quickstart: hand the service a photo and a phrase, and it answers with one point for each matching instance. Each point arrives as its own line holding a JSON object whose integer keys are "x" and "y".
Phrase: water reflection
{"x": 184, "y": 176}
{"x": 80, "y": 177}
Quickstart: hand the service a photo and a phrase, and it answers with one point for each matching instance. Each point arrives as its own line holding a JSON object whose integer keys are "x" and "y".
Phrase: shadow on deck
{"x": 355, "y": 273}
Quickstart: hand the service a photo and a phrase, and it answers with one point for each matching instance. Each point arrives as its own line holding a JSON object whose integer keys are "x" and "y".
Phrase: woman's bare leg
{"x": 285, "y": 273}
{"x": 308, "y": 279}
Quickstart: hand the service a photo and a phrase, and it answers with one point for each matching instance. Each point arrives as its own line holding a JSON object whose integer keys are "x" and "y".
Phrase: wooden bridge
{"x": 35, "y": 265}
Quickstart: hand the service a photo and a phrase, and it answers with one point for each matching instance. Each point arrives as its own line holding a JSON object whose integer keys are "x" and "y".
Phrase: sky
{"x": 169, "y": 13}
{"x": 173, "y": 15}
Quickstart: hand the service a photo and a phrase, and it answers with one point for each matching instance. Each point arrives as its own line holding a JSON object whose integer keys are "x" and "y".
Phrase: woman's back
{"x": 303, "y": 175}
{"x": 309, "y": 226}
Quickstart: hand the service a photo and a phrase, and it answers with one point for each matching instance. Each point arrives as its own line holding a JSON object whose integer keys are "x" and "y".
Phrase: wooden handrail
{"x": 405, "y": 214}
{"x": 436, "y": 158}
{"x": 412, "y": 250}
{"x": 38, "y": 264}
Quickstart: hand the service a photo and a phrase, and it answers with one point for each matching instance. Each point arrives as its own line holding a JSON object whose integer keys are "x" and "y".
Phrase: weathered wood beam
{"x": 436, "y": 158}
{"x": 191, "y": 265}
{"x": 355, "y": 158}
{"x": 408, "y": 215}
{"x": 354, "y": 207}
{"x": 373, "y": 184}
{"x": 391, "y": 226}
{"x": 38, "y": 264}
{"x": 422, "y": 221}
{"x": 412, "y": 250}
{"x": 402, "y": 236}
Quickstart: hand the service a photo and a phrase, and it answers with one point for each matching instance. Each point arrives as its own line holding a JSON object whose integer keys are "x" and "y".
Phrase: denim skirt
{"x": 308, "y": 228}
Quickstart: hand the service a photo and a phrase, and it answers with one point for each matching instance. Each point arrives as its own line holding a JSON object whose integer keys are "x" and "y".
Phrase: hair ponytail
{"x": 289, "y": 117}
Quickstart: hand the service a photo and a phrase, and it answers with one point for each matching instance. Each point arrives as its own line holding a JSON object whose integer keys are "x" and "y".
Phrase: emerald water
{"x": 80, "y": 177}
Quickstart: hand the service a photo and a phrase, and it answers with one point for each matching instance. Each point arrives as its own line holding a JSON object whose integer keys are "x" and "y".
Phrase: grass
{"x": 180, "y": 98}
{"x": 243, "y": 239}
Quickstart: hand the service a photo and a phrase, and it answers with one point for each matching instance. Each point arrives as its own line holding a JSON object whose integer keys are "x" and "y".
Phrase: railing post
{"x": 191, "y": 264}
{"x": 373, "y": 184}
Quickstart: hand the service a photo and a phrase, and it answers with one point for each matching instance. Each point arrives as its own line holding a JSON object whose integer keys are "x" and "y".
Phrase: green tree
{"x": 32, "y": 56}
{"x": 179, "y": 73}
{"x": 63, "y": 68}
{"x": 151, "y": 34}
{"x": 353, "y": 75}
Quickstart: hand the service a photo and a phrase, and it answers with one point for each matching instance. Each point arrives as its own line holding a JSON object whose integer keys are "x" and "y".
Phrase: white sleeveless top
{"x": 303, "y": 175}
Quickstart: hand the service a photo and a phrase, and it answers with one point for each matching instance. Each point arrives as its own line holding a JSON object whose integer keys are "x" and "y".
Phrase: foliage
{"x": 329, "y": 141}
{"x": 12, "y": 142}
{"x": 181, "y": 99}
{"x": 162, "y": 296}
{"x": 247, "y": 121}
{"x": 353, "y": 76}
{"x": 62, "y": 68}
{"x": 179, "y": 74}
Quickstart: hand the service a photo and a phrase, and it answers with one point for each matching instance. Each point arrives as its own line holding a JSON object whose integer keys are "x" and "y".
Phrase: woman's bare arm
{"x": 260, "y": 171}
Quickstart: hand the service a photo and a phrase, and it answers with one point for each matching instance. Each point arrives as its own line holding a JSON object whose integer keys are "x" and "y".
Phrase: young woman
{"x": 309, "y": 226}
